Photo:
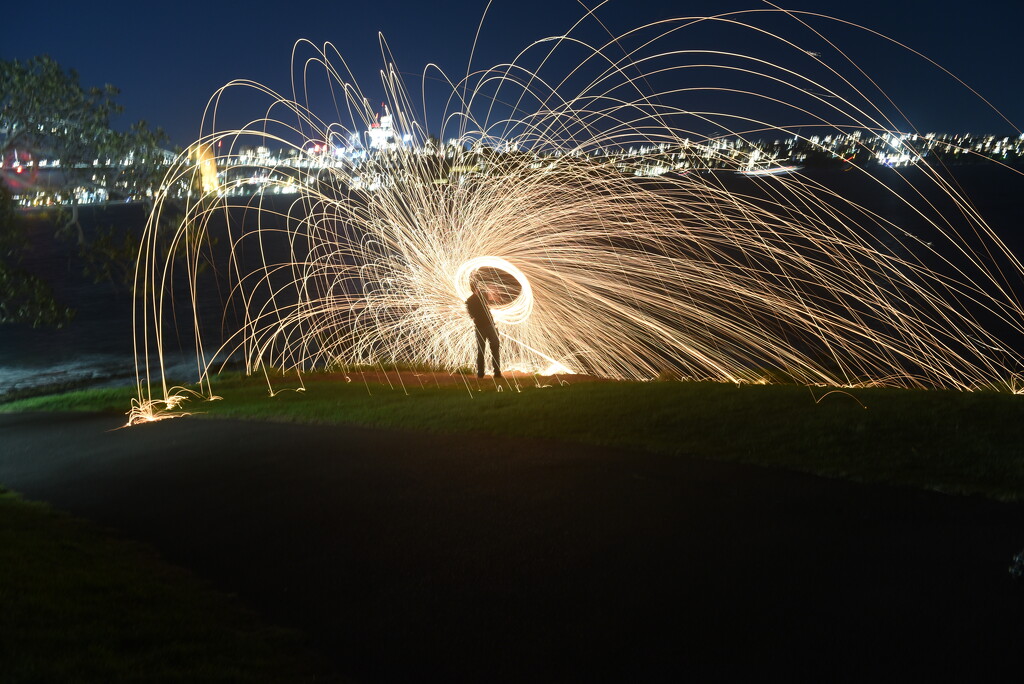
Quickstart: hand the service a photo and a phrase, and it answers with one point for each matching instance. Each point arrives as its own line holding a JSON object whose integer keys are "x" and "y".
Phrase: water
{"x": 96, "y": 348}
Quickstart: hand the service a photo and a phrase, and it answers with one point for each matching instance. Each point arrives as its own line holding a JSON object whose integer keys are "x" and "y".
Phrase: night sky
{"x": 168, "y": 59}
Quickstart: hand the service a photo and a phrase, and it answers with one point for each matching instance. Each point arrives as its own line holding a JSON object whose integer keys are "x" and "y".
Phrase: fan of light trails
{"x": 583, "y": 198}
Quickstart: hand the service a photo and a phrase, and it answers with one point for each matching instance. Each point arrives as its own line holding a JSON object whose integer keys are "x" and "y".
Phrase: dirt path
{"x": 411, "y": 557}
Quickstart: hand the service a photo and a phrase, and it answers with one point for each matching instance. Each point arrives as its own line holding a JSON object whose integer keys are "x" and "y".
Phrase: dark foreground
{"x": 412, "y": 557}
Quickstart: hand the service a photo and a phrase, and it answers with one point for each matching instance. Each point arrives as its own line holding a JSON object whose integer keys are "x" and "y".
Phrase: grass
{"x": 955, "y": 442}
{"x": 77, "y": 604}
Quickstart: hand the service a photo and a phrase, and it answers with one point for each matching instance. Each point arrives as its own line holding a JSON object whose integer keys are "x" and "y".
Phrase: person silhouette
{"x": 486, "y": 333}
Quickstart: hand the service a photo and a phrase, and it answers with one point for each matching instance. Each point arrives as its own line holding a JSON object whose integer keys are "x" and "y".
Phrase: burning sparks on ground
{"x": 584, "y": 202}
{"x": 153, "y": 410}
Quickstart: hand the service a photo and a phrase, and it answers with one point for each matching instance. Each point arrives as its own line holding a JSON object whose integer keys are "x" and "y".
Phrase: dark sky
{"x": 169, "y": 58}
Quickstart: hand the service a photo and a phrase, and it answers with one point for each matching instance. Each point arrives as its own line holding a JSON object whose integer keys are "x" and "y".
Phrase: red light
{"x": 18, "y": 169}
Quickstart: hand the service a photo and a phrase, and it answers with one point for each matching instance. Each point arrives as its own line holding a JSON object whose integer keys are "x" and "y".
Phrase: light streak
{"x": 774, "y": 171}
{"x": 206, "y": 162}
{"x": 600, "y": 272}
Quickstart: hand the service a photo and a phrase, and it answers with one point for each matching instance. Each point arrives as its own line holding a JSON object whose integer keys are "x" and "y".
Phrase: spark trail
{"x": 588, "y": 197}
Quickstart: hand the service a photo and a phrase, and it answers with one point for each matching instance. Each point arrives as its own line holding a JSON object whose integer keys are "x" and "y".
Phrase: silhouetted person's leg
{"x": 495, "y": 354}
{"x": 480, "y": 341}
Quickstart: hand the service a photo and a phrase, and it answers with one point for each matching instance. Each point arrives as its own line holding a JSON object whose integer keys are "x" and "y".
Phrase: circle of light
{"x": 513, "y": 313}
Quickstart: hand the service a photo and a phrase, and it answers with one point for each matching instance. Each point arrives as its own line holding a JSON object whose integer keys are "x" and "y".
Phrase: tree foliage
{"x": 45, "y": 113}
{"x": 44, "y": 108}
{"x": 24, "y": 298}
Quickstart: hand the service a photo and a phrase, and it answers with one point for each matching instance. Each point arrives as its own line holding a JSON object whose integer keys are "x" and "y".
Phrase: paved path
{"x": 411, "y": 557}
